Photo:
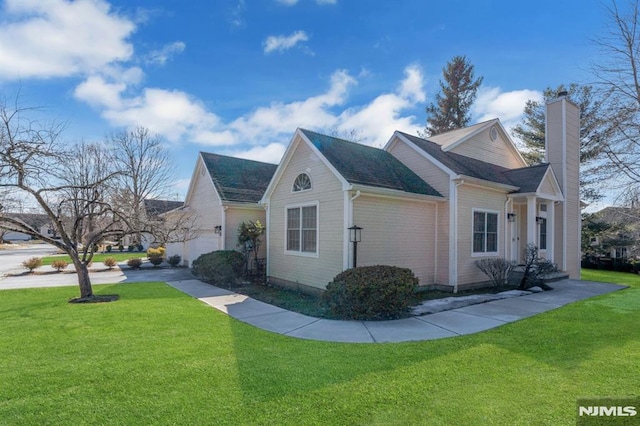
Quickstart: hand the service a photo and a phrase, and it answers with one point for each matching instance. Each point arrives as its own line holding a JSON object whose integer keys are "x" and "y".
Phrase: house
{"x": 224, "y": 192}
{"x": 40, "y": 222}
{"x": 613, "y": 233}
{"x": 434, "y": 205}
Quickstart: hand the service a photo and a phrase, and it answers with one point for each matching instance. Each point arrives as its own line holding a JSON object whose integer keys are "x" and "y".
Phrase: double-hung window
{"x": 485, "y": 232}
{"x": 302, "y": 229}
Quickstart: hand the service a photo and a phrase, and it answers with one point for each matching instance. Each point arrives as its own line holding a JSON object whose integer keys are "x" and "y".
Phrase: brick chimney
{"x": 562, "y": 151}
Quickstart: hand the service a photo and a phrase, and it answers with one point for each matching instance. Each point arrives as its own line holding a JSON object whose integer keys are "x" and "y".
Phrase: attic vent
{"x": 494, "y": 133}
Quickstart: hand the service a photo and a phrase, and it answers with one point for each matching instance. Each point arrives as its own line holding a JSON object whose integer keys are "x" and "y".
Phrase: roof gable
{"x": 487, "y": 141}
{"x": 364, "y": 165}
{"x": 154, "y": 207}
{"x": 237, "y": 179}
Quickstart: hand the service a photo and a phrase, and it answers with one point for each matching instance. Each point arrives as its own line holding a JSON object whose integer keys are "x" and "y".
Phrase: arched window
{"x": 302, "y": 183}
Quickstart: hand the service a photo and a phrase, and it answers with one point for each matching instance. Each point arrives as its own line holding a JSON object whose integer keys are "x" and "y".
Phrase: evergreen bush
{"x": 371, "y": 292}
{"x": 221, "y": 268}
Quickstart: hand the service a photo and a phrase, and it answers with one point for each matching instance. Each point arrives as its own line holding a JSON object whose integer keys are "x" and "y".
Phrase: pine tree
{"x": 458, "y": 92}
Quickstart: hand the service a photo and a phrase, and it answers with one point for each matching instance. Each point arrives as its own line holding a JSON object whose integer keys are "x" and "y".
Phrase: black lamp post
{"x": 355, "y": 235}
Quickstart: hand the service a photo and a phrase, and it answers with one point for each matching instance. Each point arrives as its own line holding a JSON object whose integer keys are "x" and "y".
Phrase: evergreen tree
{"x": 594, "y": 131}
{"x": 457, "y": 93}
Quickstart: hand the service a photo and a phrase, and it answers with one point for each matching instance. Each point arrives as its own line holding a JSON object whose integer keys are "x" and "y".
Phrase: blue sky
{"x": 237, "y": 77}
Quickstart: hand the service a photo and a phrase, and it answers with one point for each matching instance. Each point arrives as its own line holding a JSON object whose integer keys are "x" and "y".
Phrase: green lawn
{"x": 157, "y": 356}
{"x": 98, "y": 257}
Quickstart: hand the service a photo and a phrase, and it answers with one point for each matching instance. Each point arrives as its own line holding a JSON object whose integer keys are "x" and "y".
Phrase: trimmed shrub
{"x": 130, "y": 248}
{"x": 59, "y": 265}
{"x": 174, "y": 260}
{"x": 155, "y": 252}
{"x": 155, "y": 260}
{"x": 497, "y": 269}
{"x": 134, "y": 263}
{"x": 120, "y": 247}
{"x": 32, "y": 263}
{"x": 140, "y": 247}
{"x": 110, "y": 262}
{"x": 109, "y": 248}
{"x": 221, "y": 268}
{"x": 371, "y": 292}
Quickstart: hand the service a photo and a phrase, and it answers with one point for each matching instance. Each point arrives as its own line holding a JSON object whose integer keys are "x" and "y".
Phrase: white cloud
{"x": 161, "y": 56}
{"x": 281, "y": 43}
{"x": 263, "y": 132}
{"x": 271, "y": 153}
{"x": 507, "y": 106}
{"x": 59, "y": 38}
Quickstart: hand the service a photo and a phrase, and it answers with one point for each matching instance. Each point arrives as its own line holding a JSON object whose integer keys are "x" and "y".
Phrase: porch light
{"x": 355, "y": 236}
{"x": 511, "y": 217}
{"x": 218, "y": 229}
{"x": 539, "y": 220}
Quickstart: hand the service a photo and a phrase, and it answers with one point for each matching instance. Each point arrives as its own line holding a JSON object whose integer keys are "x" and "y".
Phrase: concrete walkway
{"x": 455, "y": 322}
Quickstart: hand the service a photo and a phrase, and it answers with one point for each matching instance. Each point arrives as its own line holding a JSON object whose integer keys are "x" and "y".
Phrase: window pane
{"x": 492, "y": 242}
{"x": 478, "y": 242}
{"x": 309, "y": 231}
{"x": 293, "y": 229}
{"x": 492, "y": 222}
{"x": 543, "y": 234}
{"x": 478, "y": 222}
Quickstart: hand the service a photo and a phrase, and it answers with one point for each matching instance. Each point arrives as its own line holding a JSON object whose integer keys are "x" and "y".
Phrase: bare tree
{"x": 617, "y": 75}
{"x": 78, "y": 187}
{"x": 145, "y": 166}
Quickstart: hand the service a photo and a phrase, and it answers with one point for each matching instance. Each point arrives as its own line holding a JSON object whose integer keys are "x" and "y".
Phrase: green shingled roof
{"x": 236, "y": 179}
{"x": 364, "y": 165}
{"x": 527, "y": 179}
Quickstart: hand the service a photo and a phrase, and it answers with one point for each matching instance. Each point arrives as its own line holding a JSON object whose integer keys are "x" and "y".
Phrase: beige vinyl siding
{"x": 234, "y": 216}
{"x": 546, "y": 186}
{"x": 419, "y": 165}
{"x": 498, "y": 152}
{"x": 310, "y": 270}
{"x": 397, "y": 232}
{"x": 203, "y": 200}
{"x": 439, "y": 180}
{"x": 566, "y": 166}
{"x": 472, "y": 198}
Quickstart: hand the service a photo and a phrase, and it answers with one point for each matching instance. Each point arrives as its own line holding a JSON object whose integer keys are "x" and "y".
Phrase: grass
{"x": 98, "y": 257}
{"x": 157, "y": 356}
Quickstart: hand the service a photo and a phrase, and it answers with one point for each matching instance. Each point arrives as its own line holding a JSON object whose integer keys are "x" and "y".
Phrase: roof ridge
{"x": 235, "y": 158}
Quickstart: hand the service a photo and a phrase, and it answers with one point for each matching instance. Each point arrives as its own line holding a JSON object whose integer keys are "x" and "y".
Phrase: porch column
{"x": 551, "y": 219}
{"x": 532, "y": 226}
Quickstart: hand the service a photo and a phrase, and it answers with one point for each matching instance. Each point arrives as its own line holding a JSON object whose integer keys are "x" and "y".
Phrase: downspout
{"x": 223, "y": 231}
{"x": 506, "y": 224}
{"x": 268, "y": 226}
{"x": 455, "y": 235}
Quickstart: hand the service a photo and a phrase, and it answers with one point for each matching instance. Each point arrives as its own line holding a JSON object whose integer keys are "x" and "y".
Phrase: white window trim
{"x": 487, "y": 253}
{"x": 302, "y": 190}
{"x": 301, "y": 253}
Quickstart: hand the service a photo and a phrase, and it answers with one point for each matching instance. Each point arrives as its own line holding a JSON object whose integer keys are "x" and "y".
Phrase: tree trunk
{"x": 84, "y": 281}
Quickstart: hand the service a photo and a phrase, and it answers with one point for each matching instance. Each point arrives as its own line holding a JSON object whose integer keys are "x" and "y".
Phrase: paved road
{"x": 11, "y": 259}
{"x": 13, "y": 275}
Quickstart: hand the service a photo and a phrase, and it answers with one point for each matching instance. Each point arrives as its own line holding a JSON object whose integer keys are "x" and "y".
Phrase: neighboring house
{"x": 617, "y": 233}
{"x": 433, "y": 205}
{"x": 224, "y": 192}
{"x": 39, "y": 222}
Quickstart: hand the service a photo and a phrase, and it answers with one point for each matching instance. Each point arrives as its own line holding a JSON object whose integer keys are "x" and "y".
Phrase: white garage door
{"x": 206, "y": 242}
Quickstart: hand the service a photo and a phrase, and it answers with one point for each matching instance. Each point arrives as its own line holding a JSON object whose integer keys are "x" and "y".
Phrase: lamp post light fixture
{"x": 355, "y": 236}
{"x": 539, "y": 220}
{"x": 511, "y": 217}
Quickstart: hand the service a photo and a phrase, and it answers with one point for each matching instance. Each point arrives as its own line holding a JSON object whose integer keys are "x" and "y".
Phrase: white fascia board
{"x": 486, "y": 183}
{"x": 241, "y": 205}
{"x": 397, "y": 194}
{"x": 286, "y": 158}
